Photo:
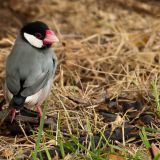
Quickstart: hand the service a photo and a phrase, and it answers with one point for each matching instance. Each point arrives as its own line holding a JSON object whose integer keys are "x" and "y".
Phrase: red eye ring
{"x": 38, "y": 35}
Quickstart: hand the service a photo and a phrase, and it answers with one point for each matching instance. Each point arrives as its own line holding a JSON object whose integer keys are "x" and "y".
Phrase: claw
{"x": 13, "y": 112}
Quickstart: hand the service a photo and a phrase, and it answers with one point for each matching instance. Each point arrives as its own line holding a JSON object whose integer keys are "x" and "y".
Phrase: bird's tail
{"x": 17, "y": 102}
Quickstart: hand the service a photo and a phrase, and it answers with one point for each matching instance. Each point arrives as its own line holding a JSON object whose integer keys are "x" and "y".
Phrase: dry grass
{"x": 104, "y": 50}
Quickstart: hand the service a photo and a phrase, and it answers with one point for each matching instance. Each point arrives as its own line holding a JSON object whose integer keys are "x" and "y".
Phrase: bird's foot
{"x": 39, "y": 110}
{"x": 13, "y": 114}
{"x": 26, "y": 112}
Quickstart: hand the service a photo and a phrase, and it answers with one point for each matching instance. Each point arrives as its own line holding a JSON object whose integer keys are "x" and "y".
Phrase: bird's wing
{"x": 16, "y": 86}
{"x": 40, "y": 82}
{"x": 34, "y": 83}
{"x": 13, "y": 83}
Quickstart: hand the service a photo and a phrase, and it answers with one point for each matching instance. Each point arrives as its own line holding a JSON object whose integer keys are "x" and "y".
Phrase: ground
{"x": 105, "y": 98}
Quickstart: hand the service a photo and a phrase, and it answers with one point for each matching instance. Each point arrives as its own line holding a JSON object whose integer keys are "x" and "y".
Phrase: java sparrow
{"x": 30, "y": 67}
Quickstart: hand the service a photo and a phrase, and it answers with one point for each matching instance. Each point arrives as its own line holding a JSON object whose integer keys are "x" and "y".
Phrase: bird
{"x": 30, "y": 68}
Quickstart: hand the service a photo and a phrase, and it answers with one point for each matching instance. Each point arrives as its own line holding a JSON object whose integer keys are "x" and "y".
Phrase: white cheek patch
{"x": 33, "y": 40}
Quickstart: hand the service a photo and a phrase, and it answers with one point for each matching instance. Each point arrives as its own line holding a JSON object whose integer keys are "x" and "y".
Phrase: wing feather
{"x": 36, "y": 86}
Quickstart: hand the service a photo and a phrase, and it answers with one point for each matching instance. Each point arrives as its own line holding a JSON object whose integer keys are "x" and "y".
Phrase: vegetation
{"x": 105, "y": 100}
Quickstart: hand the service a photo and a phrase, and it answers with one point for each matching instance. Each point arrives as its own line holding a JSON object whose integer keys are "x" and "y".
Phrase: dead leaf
{"x": 115, "y": 157}
{"x": 7, "y": 153}
{"x": 117, "y": 123}
{"x": 155, "y": 150}
{"x": 148, "y": 57}
{"x": 139, "y": 39}
{"x": 68, "y": 157}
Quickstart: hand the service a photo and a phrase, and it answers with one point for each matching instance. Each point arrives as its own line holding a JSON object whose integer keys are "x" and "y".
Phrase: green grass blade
{"x": 47, "y": 153}
{"x": 144, "y": 138}
{"x": 156, "y": 96}
{"x": 37, "y": 148}
{"x": 59, "y": 137}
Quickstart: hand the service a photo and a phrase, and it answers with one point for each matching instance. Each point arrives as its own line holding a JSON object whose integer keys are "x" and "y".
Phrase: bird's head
{"x": 38, "y": 35}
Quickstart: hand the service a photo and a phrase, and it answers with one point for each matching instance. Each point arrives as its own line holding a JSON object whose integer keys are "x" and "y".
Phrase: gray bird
{"x": 30, "y": 67}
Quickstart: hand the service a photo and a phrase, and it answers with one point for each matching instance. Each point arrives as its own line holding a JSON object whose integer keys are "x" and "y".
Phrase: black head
{"x": 37, "y": 33}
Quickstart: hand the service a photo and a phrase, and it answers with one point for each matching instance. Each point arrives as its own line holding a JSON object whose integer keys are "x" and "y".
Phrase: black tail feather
{"x": 17, "y": 102}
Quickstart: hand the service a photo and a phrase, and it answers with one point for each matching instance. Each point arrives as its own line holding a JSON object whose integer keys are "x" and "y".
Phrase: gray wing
{"x": 35, "y": 87}
{"x": 25, "y": 90}
{"x": 40, "y": 80}
{"x": 13, "y": 83}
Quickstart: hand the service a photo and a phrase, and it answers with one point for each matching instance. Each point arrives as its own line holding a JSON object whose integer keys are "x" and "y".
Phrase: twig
{"x": 4, "y": 116}
{"x": 85, "y": 102}
{"x": 20, "y": 125}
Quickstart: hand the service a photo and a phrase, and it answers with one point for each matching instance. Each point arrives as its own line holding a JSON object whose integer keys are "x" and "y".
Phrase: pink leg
{"x": 13, "y": 112}
{"x": 39, "y": 110}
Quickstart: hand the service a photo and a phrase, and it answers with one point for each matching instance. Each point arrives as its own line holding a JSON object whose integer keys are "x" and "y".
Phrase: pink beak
{"x": 50, "y": 37}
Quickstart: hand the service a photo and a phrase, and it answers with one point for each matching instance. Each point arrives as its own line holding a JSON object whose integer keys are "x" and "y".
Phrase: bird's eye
{"x": 38, "y": 35}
